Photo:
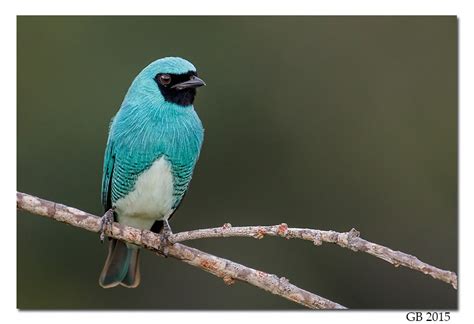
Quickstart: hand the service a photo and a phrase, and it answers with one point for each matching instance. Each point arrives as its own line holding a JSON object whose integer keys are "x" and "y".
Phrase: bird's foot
{"x": 165, "y": 234}
{"x": 106, "y": 221}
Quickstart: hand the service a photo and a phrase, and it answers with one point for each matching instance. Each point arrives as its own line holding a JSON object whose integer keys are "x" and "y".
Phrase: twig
{"x": 225, "y": 269}
{"x": 350, "y": 240}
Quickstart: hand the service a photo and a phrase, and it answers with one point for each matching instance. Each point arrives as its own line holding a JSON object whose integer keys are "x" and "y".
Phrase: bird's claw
{"x": 165, "y": 235}
{"x": 167, "y": 232}
{"x": 106, "y": 221}
{"x": 163, "y": 252}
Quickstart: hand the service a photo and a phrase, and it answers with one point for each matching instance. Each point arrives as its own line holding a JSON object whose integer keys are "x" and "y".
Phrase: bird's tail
{"x": 121, "y": 266}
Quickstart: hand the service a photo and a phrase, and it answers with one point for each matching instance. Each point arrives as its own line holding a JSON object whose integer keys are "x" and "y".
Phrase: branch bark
{"x": 350, "y": 240}
{"x": 225, "y": 269}
{"x": 229, "y": 270}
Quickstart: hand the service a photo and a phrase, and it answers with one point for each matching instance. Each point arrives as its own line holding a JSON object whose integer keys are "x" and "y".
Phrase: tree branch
{"x": 225, "y": 269}
{"x": 349, "y": 240}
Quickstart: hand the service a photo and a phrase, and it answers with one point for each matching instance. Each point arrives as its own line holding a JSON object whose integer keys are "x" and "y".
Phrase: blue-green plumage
{"x": 153, "y": 146}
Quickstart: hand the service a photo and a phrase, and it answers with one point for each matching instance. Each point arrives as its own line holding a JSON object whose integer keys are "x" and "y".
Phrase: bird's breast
{"x": 151, "y": 198}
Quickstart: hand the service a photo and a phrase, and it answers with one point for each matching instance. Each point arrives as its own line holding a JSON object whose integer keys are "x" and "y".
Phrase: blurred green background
{"x": 320, "y": 122}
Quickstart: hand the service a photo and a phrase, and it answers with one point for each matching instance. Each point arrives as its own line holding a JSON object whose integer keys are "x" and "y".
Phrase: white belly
{"x": 151, "y": 199}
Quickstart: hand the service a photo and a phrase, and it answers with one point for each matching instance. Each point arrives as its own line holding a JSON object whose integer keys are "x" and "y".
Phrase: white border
{"x": 215, "y": 7}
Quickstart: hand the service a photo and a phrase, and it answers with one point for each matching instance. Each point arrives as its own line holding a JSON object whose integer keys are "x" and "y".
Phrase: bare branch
{"x": 349, "y": 240}
{"x": 225, "y": 269}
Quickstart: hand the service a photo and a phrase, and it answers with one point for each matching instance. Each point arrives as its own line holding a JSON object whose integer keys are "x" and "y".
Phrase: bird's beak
{"x": 194, "y": 82}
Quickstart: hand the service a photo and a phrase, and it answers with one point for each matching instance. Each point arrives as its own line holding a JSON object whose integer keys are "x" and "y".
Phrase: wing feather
{"x": 107, "y": 174}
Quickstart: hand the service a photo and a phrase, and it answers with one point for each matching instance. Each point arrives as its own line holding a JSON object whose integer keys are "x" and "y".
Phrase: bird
{"x": 153, "y": 145}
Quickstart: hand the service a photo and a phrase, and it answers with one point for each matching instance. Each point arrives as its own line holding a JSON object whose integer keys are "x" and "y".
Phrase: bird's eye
{"x": 165, "y": 79}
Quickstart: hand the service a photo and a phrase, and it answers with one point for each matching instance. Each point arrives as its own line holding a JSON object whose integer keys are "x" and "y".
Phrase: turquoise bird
{"x": 153, "y": 146}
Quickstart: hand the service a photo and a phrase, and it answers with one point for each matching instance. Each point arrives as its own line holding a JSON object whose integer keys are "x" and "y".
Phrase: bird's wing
{"x": 109, "y": 160}
{"x": 121, "y": 171}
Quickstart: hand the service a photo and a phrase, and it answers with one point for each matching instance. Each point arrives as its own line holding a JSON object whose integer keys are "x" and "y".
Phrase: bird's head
{"x": 169, "y": 79}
